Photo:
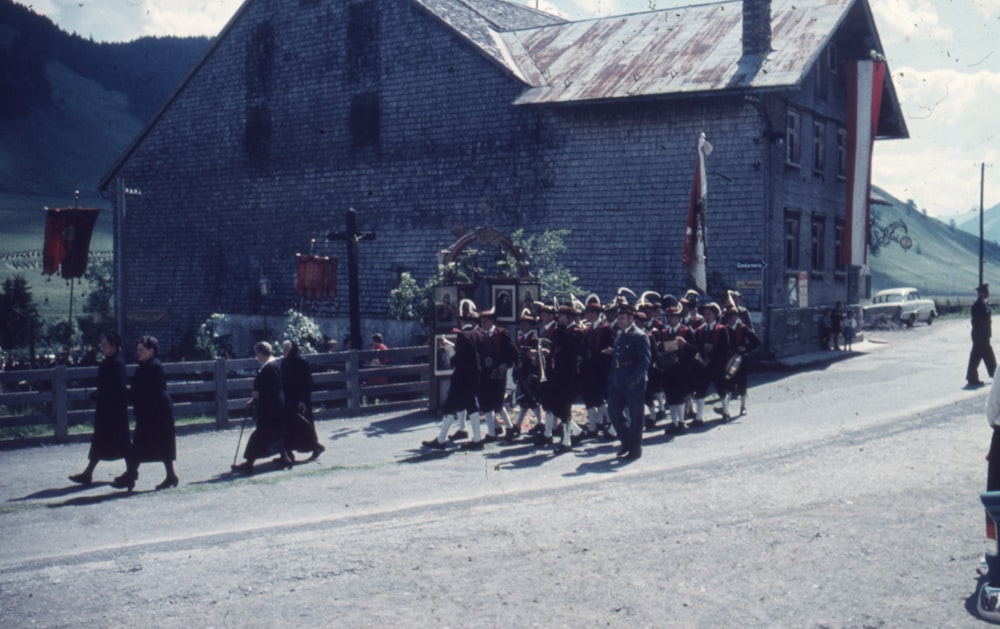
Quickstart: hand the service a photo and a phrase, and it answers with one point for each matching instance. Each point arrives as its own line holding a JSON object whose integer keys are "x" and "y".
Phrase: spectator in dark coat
{"x": 296, "y": 384}
{"x": 269, "y": 401}
{"x": 154, "y": 438}
{"x": 111, "y": 438}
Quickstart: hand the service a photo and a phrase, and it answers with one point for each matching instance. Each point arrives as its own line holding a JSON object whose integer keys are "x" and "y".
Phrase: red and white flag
{"x": 864, "y": 99}
{"x": 694, "y": 233}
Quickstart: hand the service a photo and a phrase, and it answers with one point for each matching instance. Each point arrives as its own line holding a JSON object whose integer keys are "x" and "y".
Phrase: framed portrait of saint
{"x": 503, "y": 299}
{"x": 445, "y": 307}
{"x": 527, "y": 295}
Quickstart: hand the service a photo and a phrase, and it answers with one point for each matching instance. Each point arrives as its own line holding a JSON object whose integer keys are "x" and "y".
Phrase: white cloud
{"x": 907, "y": 19}
{"x": 948, "y": 114}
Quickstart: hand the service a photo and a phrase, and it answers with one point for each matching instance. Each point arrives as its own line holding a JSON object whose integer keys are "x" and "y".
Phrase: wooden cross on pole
{"x": 352, "y": 237}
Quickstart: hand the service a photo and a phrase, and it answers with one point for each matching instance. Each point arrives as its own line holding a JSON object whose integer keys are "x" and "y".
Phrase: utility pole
{"x": 982, "y": 178}
{"x": 352, "y": 237}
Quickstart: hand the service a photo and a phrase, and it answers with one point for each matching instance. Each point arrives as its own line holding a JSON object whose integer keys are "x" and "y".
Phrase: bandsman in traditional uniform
{"x": 737, "y": 300}
{"x": 497, "y": 353}
{"x": 547, "y": 331}
{"x": 563, "y": 374}
{"x": 691, "y": 317}
{"x": 648, "y": 307}
{"x": 461, "y": 399}
{"x": 742, "y": 341}
{"x": 712, "y": 343}
{"x": 595, "y": 363}
{"x": 676, "y": 356}
{"x": 526, "y": 373}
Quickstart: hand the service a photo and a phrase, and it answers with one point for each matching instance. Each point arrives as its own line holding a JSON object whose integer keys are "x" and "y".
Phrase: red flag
{"x": 693, "y": 256}
{"x": 67, "y": 240}
{"x": 317, "y": 277}
{"x": 864, "y": 99}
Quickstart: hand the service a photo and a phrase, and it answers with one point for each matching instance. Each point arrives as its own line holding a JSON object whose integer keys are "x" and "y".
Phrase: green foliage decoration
{"x": 544, "y": 253}
{"x": 211, "y": 340}
{"x": 302, "y": 330}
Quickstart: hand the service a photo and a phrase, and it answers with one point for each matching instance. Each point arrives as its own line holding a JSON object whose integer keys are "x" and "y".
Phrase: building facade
{"x": 427, "y": 115}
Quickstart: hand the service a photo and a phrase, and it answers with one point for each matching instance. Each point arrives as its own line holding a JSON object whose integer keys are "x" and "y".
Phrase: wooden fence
{"x": 345, "y": 384}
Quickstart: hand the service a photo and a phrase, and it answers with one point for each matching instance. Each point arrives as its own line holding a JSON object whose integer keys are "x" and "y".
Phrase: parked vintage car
{"x": 900, "y": 305}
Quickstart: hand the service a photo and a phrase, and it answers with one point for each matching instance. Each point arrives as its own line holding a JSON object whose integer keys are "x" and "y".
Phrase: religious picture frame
{"x": 442, "y": 355}
{"x": 504, "y": 304}
{"x": 527, "y": 295}
{"x": 445, "y": 307}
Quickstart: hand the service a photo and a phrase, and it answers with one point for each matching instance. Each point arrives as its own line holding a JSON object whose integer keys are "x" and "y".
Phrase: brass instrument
{"x": 541, "y": 362}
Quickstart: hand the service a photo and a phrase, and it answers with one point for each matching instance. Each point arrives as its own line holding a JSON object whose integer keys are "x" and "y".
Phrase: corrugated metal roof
{"x": 481, "y": 21}
{"x": 672, "y": 51}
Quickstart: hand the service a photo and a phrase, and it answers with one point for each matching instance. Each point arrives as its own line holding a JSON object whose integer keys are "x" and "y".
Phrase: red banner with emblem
{"x": 317, "y": 277}
{"x": 67, "y": 240}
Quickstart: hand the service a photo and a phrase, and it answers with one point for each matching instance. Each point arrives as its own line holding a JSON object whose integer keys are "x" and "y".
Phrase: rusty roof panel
{"x": 671, "y": 51}
{"x": 480, "y": 21}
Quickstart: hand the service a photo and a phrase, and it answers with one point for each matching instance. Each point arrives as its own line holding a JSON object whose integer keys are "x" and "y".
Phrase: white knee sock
{"x": 446, "y": 423}
{"x": 491, "y": 424}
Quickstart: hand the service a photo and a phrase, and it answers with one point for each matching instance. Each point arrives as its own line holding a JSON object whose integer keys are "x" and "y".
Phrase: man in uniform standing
{"x": 496, "y": 354}
{"x": 981, "y": 332}
{"x": 712, "y": 343}
{"x": 526, "y": 373}
{"x": 627, "y": 382}
{"x": 461, "y": 399}
{"x": 595, "y": 363}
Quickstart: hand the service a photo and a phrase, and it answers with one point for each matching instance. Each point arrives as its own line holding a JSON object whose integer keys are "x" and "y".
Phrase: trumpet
{"x": 541, "y": 362}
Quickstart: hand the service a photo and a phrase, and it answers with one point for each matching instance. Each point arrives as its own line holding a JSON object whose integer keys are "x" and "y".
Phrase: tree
{"x": 544, "y": 253}
{"x": 20, "y": 323}
{"x": 100, "y": 277}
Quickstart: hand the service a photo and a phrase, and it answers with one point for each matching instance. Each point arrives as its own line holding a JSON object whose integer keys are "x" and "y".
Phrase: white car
{"x": 900, "y": 305}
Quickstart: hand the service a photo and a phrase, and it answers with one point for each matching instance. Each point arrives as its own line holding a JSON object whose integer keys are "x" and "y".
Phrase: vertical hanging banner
{"x": 317, "y": 277}
{"x": 67, "y": 240}
{"x": 694, "y": 254}
{"x": 864, "y": 100}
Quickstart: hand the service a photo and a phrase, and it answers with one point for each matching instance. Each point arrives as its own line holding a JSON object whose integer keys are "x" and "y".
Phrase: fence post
{"x": 221, "y": 394}
{"x": 60, "y": 403}
{"x": 353, "y": 384}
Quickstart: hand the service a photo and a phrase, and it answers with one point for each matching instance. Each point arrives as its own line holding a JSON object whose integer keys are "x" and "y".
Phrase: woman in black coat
{"x": 296, "y": 383}
{"x": 155, "y": 437}
{"x": 111, "y": 438}
{"x": 269, "y": 436}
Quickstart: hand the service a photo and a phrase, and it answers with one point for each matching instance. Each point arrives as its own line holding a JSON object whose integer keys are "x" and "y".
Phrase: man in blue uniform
{"x": 627, "y": 382}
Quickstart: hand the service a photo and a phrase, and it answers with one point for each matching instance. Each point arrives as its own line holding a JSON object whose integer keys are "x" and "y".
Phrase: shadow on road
{"x": 61, "y": 491}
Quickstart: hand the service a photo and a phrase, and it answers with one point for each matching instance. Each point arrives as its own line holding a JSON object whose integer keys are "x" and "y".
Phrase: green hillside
{"x": 942, "y": 262}
{"x": 69, "y": 107}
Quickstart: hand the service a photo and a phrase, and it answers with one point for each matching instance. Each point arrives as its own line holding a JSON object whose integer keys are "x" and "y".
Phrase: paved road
{"x": 847, "y": 497}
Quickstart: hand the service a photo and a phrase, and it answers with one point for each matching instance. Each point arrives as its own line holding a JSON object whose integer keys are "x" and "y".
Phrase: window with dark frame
{"x": 838, "y": 243}
{"x": 841, "y": 152}
{"x": 791, "y": 240}
{"x": 818, "y": 252}
{"x": 819, "y": 147}
{"x": 793, "y": 134}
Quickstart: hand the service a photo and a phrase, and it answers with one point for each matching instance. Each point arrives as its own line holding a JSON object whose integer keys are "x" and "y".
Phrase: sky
{"x": 944, "y": 56}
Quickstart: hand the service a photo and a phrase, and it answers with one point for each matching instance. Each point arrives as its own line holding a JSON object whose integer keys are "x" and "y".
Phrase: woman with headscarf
{"x": 269, "y": 401}
{"x": 297, "y": 383}
{"x": 155, "y": 436}
{"x": 111, "y": 432}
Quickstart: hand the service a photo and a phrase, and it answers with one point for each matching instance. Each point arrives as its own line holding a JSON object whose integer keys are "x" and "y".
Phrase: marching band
{"x": 587, "y": 351}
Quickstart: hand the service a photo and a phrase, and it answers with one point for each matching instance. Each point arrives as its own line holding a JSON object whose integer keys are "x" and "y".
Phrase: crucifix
{"x": 352, "y": 237}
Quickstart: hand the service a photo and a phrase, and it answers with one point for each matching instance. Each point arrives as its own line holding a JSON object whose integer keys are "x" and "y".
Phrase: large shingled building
{"x": 427, "y": 114}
